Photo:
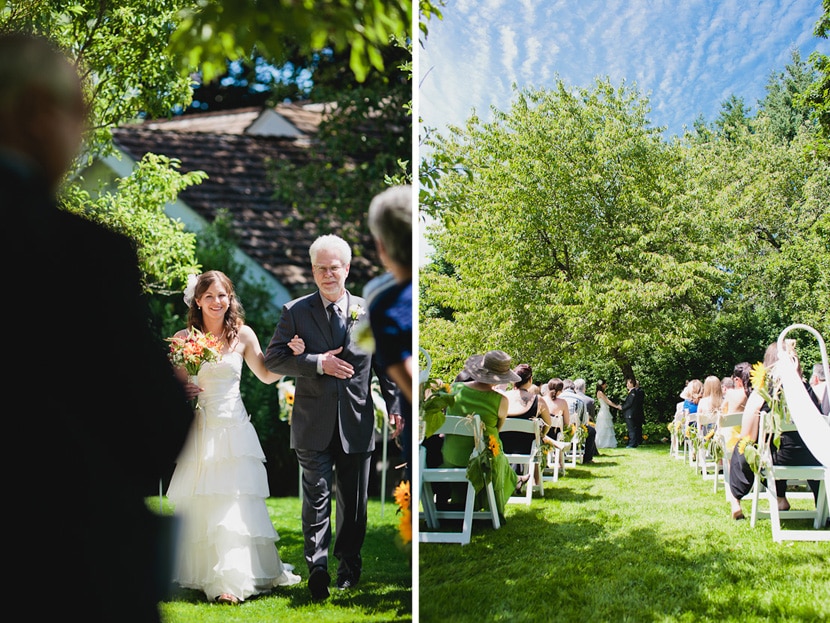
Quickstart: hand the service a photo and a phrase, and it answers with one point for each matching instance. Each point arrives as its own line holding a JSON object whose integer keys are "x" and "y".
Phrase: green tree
{"x": 733, "y": 119}
{"x": 135, "y": 207}
{"x": 363, "y": 145}
{"x": 818, "y": 95}
{"x": 567, "y": 223}
{"x": 120, "y": 49}
{"x": 784, "y": 104}
{"x": 213, "y": 31}
{"x": 769, "y": 200}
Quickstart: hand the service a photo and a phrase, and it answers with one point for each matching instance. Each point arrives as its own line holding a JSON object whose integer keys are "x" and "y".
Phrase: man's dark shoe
{"x": 318, "y": 583}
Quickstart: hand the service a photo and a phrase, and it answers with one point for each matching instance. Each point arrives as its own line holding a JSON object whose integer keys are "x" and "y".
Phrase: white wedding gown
{"x": 219, "y": 486}
{"x": 605, "y": 427}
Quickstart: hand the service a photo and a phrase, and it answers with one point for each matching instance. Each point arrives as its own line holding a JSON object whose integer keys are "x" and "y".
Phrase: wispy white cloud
{"x": 509, "y": 52}
{"x": 689, "y": 55}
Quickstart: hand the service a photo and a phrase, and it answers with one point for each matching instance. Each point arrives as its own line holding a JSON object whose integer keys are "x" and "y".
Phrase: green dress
{"x": 457, "y": 449}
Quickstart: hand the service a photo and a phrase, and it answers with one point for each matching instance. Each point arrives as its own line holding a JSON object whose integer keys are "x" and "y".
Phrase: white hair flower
{"x": 190, "y": 289}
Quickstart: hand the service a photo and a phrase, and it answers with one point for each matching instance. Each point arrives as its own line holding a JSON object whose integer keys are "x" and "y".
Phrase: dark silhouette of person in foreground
{"x": 103, "y": 416}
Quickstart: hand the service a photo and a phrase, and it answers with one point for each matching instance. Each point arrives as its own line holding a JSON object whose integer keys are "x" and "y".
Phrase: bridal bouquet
{"x": 194, "y": 349}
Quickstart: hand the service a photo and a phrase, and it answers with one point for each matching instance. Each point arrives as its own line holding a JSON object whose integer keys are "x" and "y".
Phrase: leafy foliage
{"x": 212, "y": 31}
{"x": 564, "y": 222}
{"x": 120, "y": 48}
{"x": 817, "y": 96}
{"x": 572, "y": 237}
{"x": 166, "y": 252}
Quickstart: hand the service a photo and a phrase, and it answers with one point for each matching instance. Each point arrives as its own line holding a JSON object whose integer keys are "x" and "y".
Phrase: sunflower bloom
{"x": 758, "y": 376}
{"x": 405, "y": 526}
{"x": 402, "y": 495}
{"x": 493, "y": 444}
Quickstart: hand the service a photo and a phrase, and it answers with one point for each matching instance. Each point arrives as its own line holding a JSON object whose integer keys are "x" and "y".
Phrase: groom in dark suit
{"x": 632, "y": 410}
{"x": 333, "y": 420}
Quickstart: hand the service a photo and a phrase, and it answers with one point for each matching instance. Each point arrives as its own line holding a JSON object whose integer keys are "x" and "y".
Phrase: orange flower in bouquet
{"x": 194, "y": 349}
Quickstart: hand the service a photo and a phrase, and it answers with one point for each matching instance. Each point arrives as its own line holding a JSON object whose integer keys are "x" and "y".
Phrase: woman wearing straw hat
{"x": 478, "y": 396}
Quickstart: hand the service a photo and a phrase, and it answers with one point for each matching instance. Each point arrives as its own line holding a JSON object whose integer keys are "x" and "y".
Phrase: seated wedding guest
{"x": 791, "y": 450}
{"x": 819, "y": 384}
{"x": 560, "y": 417}
{"x": 734, "y": 399}
{"x": 579, "y": 416}
{"x": 710, "y": 402}
{"x": 478, "y": 396}
{"x": 523, "y": 403}
{"x": 694, "y": 392}
{"x": 727, "y": 383}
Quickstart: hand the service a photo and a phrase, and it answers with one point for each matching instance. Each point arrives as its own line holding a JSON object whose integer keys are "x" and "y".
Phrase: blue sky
{"x": 686, "y": 56}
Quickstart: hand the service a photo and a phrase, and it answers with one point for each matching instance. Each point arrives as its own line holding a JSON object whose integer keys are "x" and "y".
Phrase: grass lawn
{"x": 637, "y": 536}
{"x": 384, "y": 593}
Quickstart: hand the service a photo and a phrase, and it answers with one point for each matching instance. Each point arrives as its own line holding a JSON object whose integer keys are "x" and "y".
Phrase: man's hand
{"x": 334, "y": 366}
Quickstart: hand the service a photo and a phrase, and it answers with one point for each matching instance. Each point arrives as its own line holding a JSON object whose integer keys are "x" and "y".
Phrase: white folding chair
{"x": 555, "y": 458}
{"x": 677, "y": 433}
{"x": 706, "y": 463}
{"x": 726, "y": 429}
{"x": 689, "y": 431}
{"x": 470, "y": 426}
{"x": 793, "y": 474}
{"x": 529, "y": 462}
{"x": 814, "y": 431}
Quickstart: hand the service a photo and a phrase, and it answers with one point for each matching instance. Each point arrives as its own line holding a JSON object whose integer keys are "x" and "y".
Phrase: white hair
{"x": 334, "y": 243}
{"x": 579, "y": 385}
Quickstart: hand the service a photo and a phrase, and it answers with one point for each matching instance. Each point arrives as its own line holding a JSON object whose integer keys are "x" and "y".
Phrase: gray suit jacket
{"x": 318, "y": 398}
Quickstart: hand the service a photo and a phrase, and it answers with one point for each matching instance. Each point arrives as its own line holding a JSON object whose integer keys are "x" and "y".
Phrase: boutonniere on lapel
{"x": 363, "y": 337}
{"x": 355, "y": 312}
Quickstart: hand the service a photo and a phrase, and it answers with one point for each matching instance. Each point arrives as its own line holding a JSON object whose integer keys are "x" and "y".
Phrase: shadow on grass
{"x": 598, "y": 550}
{"x": 384, "y": 590}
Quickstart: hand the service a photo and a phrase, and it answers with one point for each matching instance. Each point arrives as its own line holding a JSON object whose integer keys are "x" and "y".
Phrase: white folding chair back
{"x": 726, "y": 430}
{"x": 706, "y": 463}
{"x": 455, "y": 425}
{"x": 792, "y": 474}
{"x": 677, "y": 435}
{"x": 529, "y": 462}
{"x": 555, "y": 460}
{"x": 689, "y": 420}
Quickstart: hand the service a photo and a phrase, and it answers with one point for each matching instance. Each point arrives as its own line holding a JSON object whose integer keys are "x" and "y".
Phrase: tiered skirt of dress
{"x": 227, "y": 542}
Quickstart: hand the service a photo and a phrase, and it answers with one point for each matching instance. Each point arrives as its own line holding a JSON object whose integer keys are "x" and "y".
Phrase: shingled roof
{"x": 235, "y": 148}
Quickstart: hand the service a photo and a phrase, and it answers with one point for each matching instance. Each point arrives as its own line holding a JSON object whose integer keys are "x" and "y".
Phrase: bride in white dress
{"x": 605, "y": 423}
{"x": 227, "y": 543}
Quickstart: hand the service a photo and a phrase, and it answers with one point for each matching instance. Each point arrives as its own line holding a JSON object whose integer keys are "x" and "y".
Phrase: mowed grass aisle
{"x": 637, "y": 536}
{"x": 384, "y": 593}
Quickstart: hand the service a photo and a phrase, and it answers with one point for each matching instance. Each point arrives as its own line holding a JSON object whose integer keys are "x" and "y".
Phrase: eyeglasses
{"x": 323, "y": 270}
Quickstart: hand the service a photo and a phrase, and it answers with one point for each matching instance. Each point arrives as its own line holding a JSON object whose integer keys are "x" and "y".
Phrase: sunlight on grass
{"x": 384, "y": 593}
{"x": 638, "y": 536}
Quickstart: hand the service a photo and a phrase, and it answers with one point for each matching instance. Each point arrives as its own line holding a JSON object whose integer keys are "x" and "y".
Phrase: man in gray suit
{"x": 332, "y": 424}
